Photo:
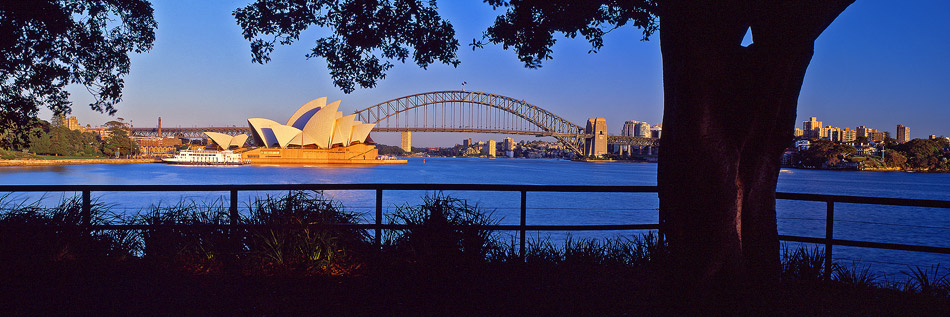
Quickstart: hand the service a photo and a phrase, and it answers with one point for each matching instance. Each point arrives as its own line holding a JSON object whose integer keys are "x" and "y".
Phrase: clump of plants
{"x": 442, "y": 232}
{"x": 184, "y": 236}
{"x": 32, "y": 233}
{"x": 803, "y": 264}
{"x": 292, "y": 234}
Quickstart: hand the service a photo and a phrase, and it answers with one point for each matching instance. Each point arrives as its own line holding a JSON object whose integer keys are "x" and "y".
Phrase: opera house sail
{"x": 316, "y": 133}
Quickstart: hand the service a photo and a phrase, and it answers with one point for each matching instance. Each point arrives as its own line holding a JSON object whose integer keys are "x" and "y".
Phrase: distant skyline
{"x": 878, "y": 65}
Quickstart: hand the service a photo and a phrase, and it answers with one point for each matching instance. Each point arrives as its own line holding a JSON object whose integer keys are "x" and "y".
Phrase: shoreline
{"x": 34, "y": 162}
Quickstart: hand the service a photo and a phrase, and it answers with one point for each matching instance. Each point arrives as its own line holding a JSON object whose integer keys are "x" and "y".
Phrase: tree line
{"x": 56, "y": 139}
{"x": 915, "y": 155}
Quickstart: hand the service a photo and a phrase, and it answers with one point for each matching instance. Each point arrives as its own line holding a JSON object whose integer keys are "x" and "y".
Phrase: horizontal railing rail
{"x": 234, "y": 219}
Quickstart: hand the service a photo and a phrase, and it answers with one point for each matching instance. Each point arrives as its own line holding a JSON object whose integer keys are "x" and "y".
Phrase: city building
{"x": 156, "y": 146}
{"x": 490, "y": 148}
{"x": 509, "y": 147}
{"x": 864, "y": 132}
{"x": 629, "y": 128}
{"x": 73, "y": 124}
{"x": 878, "y": 136}
{"x": 812, "y": 128}
{"x": 903, "y": 134}
{"x": 656, "y": 131}
{"x": 642, "y": 130}
{"x": 848, "y": 135}
{"x": 798, "y": 132}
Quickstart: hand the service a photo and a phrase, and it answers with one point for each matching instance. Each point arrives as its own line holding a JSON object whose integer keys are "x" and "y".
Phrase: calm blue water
{"x": 922, "y": 226}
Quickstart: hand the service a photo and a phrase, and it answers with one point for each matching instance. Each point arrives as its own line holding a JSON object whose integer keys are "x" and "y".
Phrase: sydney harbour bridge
{"x": 461, "y": 111}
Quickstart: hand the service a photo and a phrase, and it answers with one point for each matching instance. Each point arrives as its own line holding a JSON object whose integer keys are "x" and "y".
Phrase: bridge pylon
{"x": 405, "y": 141}
{"x": 596, "y": 146}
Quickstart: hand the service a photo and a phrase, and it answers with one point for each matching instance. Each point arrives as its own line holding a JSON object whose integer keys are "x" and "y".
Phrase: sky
{"x": 881, "y": 63}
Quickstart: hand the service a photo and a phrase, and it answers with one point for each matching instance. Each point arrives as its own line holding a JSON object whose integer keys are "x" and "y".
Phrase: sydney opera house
{"x": 315, "y": 133}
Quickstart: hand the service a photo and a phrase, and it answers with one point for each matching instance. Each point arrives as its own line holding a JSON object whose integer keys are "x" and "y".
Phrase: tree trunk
{"x": 729, "y": 113}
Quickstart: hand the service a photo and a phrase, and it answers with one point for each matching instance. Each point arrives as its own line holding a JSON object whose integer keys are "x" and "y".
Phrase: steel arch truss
{"x": 471, "y": 111}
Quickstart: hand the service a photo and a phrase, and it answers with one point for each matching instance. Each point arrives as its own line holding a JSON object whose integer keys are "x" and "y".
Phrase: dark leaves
{"x": 363, "y": 36}
{"x": 529, "y": 25}
{"x": 48, "y": 44}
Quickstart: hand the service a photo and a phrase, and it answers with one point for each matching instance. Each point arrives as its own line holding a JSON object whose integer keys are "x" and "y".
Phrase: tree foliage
{"x": 365, "y": 35}
{"x": 529, "y": 26}
{"x": 46, "y": 45}
{"x": 61, "y": 141}
{"x": 118, "y": 140}
{"x": 826, "y": 153}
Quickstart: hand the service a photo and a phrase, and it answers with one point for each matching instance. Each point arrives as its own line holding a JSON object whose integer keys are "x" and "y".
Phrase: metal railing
{"x": 234, "y": 218}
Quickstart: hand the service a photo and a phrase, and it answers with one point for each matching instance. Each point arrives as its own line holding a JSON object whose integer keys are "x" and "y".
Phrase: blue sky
{"x": 879, "y": 64}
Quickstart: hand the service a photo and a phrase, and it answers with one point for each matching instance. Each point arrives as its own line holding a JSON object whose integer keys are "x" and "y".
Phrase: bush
{"x": 443, "y": 231}
{"x": 302, "y": 248}
{"x": 183, "y": 238}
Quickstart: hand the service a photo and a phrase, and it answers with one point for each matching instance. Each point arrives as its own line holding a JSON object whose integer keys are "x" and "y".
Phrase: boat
{"x": 205, "y": 157}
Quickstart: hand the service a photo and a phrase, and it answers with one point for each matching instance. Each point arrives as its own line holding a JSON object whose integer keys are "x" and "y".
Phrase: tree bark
{"x": 729, "y": 112}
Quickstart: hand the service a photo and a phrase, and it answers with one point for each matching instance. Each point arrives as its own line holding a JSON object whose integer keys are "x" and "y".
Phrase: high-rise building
{"x": 798, "y": 132}
{"x": 489, "y": 148}
{"x": 73, "y": 124}
{"x": 642, "y": 130}
{"x": 863, "y": 132}
{"x": 878, "y": 136}
{"x": 848, "y": 135}
{"x": 812, "y": 128}
{"x": 629, "y": 128}
{"x": 903, "y": 134}
{"x": 834, "y": 134}
{"x": 656, "y": 131}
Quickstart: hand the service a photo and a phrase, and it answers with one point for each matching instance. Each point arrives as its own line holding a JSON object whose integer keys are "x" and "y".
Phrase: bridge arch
{"x": 386, "y": 116}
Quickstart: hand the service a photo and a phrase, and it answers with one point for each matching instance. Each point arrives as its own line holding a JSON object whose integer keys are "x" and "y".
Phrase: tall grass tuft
{"x": 932, "y": 282}
{"x": 803, "y": 264}
{"x": 33, "y": 233}
{"x": 856, "y": 277}
{"x": 442, "y": 232}
{"x": 182, "y": 238}
{"x": 300, "y": 248}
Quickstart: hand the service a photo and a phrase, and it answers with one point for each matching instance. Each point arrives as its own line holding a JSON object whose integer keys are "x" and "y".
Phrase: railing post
{"x": 521, "y": 229}
{"x": 829, "y": 236}
{"x": 379, "y": 218}
{"x": 86, "y": 216}
{"x": 233, "y": 220}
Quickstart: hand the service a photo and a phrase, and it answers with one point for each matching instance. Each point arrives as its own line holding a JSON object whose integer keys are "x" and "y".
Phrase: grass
{"x": 286, "y": 261}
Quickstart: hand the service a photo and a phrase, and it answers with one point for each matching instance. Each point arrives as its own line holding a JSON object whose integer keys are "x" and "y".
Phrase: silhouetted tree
{"x": 48, "y": 44}
{"x": 729, "y": 110}
{"x": 826, "y": 152}
{"x": 362, "y": 32}
{"x": 894, "y": 159}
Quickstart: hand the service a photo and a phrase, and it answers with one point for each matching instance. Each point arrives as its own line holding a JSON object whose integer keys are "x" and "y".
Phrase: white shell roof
{"x": 302, "y": 115}
{"x": 221, "y": 139}
{"x": 343, "y": 129}
{"x": 314, "y": 123}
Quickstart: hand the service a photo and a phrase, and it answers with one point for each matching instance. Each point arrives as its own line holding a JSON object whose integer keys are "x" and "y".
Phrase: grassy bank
{"x": 441, "y": 263}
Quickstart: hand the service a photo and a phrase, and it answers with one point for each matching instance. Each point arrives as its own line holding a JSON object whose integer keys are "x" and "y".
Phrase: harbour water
{"x": 920, "y": 226}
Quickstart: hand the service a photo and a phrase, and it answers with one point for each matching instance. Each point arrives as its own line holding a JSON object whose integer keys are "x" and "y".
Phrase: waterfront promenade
{"x": 51, "y": 162}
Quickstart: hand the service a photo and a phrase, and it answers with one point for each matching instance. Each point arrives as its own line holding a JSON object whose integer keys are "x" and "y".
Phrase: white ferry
{"x": 205, "y": 157}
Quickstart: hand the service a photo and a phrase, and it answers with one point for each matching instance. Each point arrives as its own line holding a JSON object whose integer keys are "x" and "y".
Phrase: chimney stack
{"x": 159, "y": 127}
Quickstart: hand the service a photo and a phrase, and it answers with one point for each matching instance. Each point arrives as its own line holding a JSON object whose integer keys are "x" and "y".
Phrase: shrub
{"x": 304, "y": 248}
{"x": 442, "y": 231}
{"x": 803, "y": 264}
{"x": 182, "y": 237}
{"x": 32, "y": 233}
